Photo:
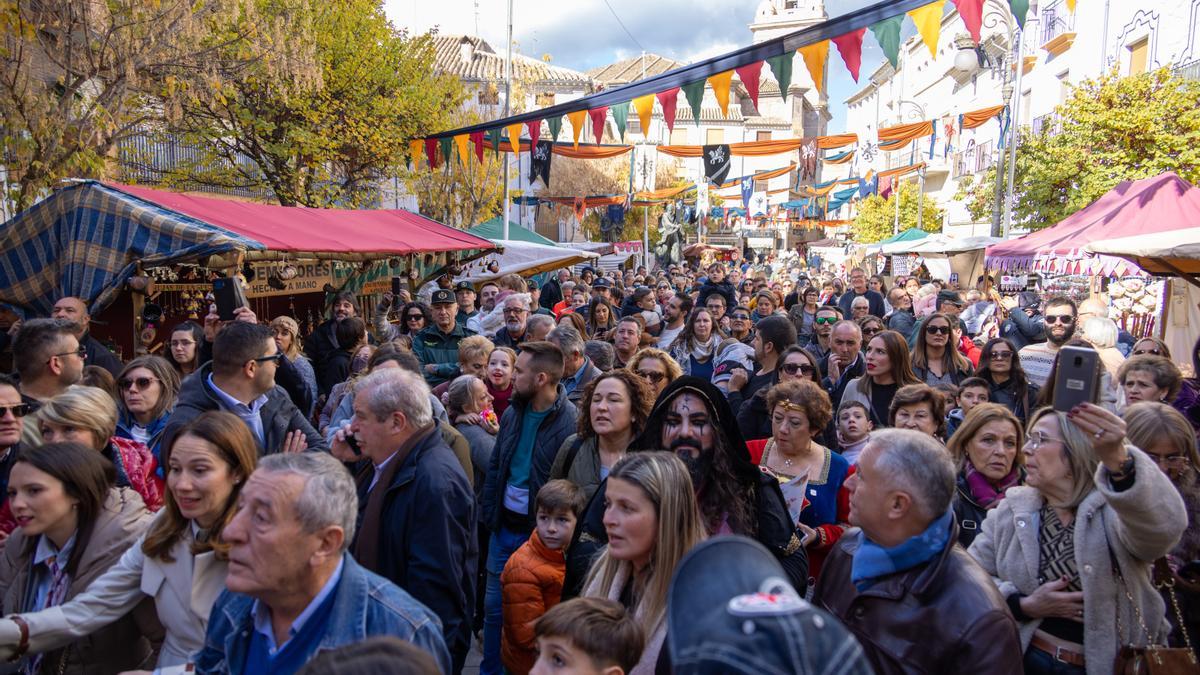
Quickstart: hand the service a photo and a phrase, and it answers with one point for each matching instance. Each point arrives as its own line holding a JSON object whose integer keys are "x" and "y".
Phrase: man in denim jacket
{"x": 292, "y": 590}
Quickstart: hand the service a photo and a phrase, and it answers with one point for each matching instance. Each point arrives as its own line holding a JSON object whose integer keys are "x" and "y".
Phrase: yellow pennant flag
{"x": 720, "y": 84}
{"x": 1071, "y": 6}
{"x": 416, "y": 149}
{"x": 514, "y": 136}
{"x": 928, "y": 20}
{"x": 577, "y": 120}
{"x": 814, "y": 58}
{"x": 644, "y": 106}
{"x": 460, "y": 141}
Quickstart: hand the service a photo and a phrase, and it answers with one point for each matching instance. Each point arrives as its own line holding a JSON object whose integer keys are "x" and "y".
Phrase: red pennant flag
{"x": 971, "y": 12}
{"x": 535, "y": 132}
{"x": 750, "y": 75}
{"x": 667, "y": 100}
{"x": 431, "y": 152}
{"x": 850, "y": 47}
{"x": 477, "y": 139}
{"x": 598, "y": 115}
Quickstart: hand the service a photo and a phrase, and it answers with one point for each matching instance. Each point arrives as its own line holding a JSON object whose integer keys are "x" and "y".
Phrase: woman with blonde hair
{"x": 88, "y": 416}
{"x": 987, "y": 448}
{"x": 180, "y": 562}
{"x": 656, "y": 367}
{"x": 1071, "y": 549}
{"x": 652, "y": 521}
{"x": 298, "y": 370}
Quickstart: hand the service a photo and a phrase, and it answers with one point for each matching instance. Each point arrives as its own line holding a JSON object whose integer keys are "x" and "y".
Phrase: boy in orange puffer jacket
{"x": 532, "y": 579}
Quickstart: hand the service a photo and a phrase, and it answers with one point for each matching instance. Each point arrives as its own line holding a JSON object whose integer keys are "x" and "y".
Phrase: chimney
{"x": 466, "y": 50}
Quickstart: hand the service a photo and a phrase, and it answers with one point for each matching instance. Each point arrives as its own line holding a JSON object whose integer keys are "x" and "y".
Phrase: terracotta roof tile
{"x": 486, "y": 65}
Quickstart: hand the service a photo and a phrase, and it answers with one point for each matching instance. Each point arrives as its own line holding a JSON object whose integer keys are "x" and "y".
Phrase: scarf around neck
{"x": 986, "y": 493}
{"x": 703, "y": 351}
{"x": 873, "y": 562}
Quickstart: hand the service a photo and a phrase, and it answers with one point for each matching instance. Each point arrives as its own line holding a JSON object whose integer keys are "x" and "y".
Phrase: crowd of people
{"x": 733, "y": 467}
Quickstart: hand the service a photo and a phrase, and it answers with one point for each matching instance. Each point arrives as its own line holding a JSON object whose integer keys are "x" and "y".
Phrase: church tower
{"x": 807, "y": 108}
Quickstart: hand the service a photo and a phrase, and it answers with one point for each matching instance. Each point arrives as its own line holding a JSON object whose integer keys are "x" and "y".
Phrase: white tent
{"x": 524, "y": 258}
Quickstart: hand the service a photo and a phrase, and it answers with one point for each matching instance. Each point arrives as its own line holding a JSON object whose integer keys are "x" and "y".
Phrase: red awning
{"x": 302, "y": 229}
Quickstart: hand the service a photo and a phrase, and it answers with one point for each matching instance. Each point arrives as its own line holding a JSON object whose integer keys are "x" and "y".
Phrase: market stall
{"x": 523, "y": 258}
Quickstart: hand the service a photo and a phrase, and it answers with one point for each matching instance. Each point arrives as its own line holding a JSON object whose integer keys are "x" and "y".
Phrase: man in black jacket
{"x": 416, "y": 508}
{"x": 241, "y": 380}
{"x": 539, "y": 418}
{"x": 323, "y": 342}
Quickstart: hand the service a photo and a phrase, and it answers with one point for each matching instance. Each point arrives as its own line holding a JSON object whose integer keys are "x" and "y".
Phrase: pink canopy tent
{"x": 1149, "y": 206}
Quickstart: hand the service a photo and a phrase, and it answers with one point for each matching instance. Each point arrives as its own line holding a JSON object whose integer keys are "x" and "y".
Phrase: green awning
{"x": 494, "y": 229}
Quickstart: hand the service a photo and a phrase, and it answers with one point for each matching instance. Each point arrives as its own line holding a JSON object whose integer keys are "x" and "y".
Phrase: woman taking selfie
{"x": 75, "y": 525}
{"x": 181, "y": 560}
{"x": 651, "y": 519}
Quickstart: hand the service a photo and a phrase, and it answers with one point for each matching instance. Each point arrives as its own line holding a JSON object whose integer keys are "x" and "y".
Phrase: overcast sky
{"x": 585, "y": 34}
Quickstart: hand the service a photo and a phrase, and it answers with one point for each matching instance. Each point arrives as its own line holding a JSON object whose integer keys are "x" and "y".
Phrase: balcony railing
{"x": 1056, "y": 20}
{"x": 1049, "y": 123}
{"x": 1190, "y": 70}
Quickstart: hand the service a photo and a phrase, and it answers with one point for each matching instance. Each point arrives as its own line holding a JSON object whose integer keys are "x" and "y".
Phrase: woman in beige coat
{"x": 180, "y": 562}
{"x": 74, "y": 525}
{"x": 1090, "y": 501}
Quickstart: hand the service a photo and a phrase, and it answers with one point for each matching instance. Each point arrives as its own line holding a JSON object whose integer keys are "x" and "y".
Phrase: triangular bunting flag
{"x": 598, "y": 116}
{"x": 971, "y": 12}
{"x": 1071, "y": 6}
{"x": 444, "y": 145}
{"x": 1020, "y": 9}
{"x": 414, "y": 153}
{"x": 431, "y": 152}
{"x": 535, "y": 132}
{"x": 720, "y": 84}
{"x": 514, "y": 136}
{"x": 850, "y": 47}
{"x": 493, "y": 136}
{"x": 667, "y": 99}
{"x": 555, "y": 124}
{"x": 460, "y": 142}
{"x": 576, "y": 119}
{"x": 887, "y": 34}
{"x": 477, "y": 139}
{"x": 620, "y": 113}
{"x": 644, "y": 107}
{"x": 928, "y": 20}
{"x": 694, "y": 93}
{"x": 814, "y": 59}
{"x": 750, "y": 74}
{"x": 781, "y": 68}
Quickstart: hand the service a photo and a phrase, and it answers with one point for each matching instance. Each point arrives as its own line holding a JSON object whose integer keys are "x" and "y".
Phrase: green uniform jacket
{"x": 431, "y": 345}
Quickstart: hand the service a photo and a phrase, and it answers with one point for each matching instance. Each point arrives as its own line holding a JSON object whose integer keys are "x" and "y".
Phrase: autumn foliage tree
{"x": 876, "y": 217}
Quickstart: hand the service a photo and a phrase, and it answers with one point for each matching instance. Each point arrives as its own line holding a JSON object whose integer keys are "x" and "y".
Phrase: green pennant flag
{"x": 555, "y": 124}
{"x": 445, "y": 144}
{"x": 620, "y": 113}
{"x": 694, "y": 91}
{"x": 493, "y": 136}
{"x": 781, "y": 67}
{"x": 1020, "y": 8}
{"x": 887, "y": 34}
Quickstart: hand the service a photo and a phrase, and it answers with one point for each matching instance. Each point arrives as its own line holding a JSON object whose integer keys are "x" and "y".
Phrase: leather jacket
{"x": 944, "y": 616}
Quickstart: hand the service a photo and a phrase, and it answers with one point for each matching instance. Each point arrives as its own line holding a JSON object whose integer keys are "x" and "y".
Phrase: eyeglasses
{"x": 802, "y": 368}
{"x": 740, "y": 317}
{"x": 276, "y": 357}
{"x": 18, "y": 410}
{"x": 81, "y": 353}
{"x": 139, "y": 382}
{"x": 1037, "y": 440}
{"x": 514, "y": 310}
{"x": 1172, "y": 461}
{"x": 654, "y": 377}
{"x": 1001, "y": 356}
{"x": 1065, "y": 319}
{"x": 825, "y": 320}
{"x": 938, "y": 330}
{"x": 1139, "y": 352}
{"x": 415, "y": 317}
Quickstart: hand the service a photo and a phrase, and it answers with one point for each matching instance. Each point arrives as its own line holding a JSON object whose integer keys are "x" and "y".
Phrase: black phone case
{"x": 228, "y": 295}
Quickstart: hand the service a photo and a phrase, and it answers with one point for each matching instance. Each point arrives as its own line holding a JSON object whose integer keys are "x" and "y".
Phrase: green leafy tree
{"x": 877, "y": 216}
{"x": 1110, "y": 129}
{"x": 326, "y": 138}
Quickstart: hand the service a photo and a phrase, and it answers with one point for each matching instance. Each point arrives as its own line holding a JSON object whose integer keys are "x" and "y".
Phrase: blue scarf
{"x": 873, "y": 562}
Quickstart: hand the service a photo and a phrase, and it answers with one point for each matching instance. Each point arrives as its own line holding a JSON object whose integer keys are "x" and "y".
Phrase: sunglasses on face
{"x": 937, "y": 330}
{"x": 871, "y": 331}
{"x": 654, "y": 377}
{"x": 415, "y": 317}
{"x": 825, "y": 320}
{"x": 1139, "y": 352}
{"x": 140, "y": 382}
{"x": 740, "y": 317}
{"x": 1065, "y": 319}
{"x": 802, "y": 368}
{"x": 1000, "y": 356}
{"x": 19, "y": 410}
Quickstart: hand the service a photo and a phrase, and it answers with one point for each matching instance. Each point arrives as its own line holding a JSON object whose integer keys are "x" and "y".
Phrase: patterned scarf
{"x": 986, "y": 493}
{"x": 873, "y": 562}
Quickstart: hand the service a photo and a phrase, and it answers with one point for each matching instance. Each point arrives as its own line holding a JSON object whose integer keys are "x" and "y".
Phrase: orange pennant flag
{"x": 814, "y": 58}
{"x": 416, "y": 148}
{"x": 577, "y": 120}
{"x": 928, "y": 20}
{"x": 460, "y": 142}
{"x": 720, "y": 84}
{"x": 514, "y": 136}
{"x": 644, "y": 106}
